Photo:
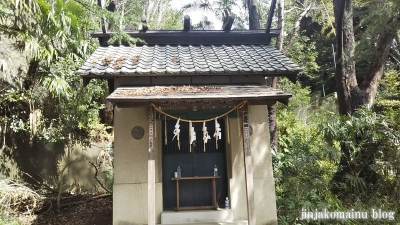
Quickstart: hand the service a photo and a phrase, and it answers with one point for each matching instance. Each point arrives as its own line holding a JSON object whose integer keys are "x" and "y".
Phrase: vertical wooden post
{"x": 151, "y": 208}
{"x": 248, "y": 167}
{"x": 101, "y": 3}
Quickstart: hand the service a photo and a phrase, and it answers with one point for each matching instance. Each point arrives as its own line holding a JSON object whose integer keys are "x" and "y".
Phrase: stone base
{"x": 242, "y": 222}
{"x": 198, "y": 216}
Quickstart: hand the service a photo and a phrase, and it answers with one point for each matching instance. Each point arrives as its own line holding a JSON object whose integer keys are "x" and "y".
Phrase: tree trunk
{"x": 254, "y": 20}
{"x": 352, "y": 96}
{"x": 296, "y": 28}
{"x": 121, "y": 20}
{"x": 377, "y": 65}
{"x": 146, "y": 5}
{"x": 31, "y": 75}
{"x": 281, "y": 24}
{"x": 273, "y": 125}
{"x": 345, "y": 73}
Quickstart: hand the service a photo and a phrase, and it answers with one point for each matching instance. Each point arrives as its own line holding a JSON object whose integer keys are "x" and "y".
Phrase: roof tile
{"x": 186, "y": 59}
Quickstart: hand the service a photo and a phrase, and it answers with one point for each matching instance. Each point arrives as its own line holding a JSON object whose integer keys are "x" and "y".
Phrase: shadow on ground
{"x": 84, "y": 211}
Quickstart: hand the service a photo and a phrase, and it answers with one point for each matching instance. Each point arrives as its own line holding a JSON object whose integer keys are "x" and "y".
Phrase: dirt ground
{"x": 89, "y": 211}
{"x": 78, "y": 210}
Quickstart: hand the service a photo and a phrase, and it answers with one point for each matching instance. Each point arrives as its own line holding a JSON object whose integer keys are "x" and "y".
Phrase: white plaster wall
{"x": 264, "y": 185}
{"x": 130, "y": 204}
{"x": 237, "y": 187}
{"x": 130, "y": 171}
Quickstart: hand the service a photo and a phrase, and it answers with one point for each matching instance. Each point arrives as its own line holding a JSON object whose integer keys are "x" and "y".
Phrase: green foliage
{"x": 7, "y": 220}
{"x": 388, "y": 98}
{"x": 168, "y": 19}
{"x": 204, "y": 24}
{"x": 372, "y": 147}
{"x": 44, "y": 30}
{"x": 120, "y": 37}
{"x": 299, "y": 102}
{"x": 109, "y": 176}
{"x": 304, "y": 165}
{"x": 390, "y": 85}
{"x": 391, "y": 110}
{"x": 310, "y": 150}
{"x": 372, "y": 18}
{"x": 72, "y": 112}
{"x": 311, "y": 141}
{"x": 304, "y": 52}
{"x": 159, "y": 15}
{"x": 372, "y": 160}
{"x": 45, "y": 101}
{"x": 388, "y": 105}
{"x": 51, "y": 104}
{"x": 381, "y": 15}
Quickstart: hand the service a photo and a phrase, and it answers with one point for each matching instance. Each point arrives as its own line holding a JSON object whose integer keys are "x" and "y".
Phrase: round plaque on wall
{"x": 137, "y": 132}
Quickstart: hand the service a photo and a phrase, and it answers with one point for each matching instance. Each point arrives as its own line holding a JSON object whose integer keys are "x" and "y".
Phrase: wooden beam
{"x": 191, "y": 75}
{"x": 130, "y": 104}
{"x": 269, "y": 21}
{"x": 181, "y": 105}
{"x": 292, "y": 78}
{"x": 143, "y": 19}
{"x": 110, "y": 84}
{"x": 86, "y": 81}
{"x": 101, "y": 4}
{"x": 186, "y": 23}
{"x": 228, "y": 25}
{"x": 270, "y": 16}
{"x": 248, "y": 166}
{"x": 183, "y": 37}
{"x": 151, "y": 208}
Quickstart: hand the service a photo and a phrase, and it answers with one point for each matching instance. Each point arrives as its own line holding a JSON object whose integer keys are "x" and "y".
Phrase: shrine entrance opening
{"x": 197, "y": 161}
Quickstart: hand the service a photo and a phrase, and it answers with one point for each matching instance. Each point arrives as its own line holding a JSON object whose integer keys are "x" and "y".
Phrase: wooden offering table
{"x": 212, "y": 178}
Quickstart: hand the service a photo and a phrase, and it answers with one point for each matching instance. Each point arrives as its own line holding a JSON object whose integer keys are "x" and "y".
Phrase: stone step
{"x": 241, "y": 222}
{"x": 220, "y": 216}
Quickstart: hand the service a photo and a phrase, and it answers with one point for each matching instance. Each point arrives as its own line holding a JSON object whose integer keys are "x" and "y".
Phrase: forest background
{"x": 338, "y": 139}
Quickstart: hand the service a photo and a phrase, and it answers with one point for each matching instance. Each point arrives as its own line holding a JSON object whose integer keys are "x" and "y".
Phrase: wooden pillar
{"x": 186, "y": 23}
{"x": 102, "y": 3}
{"x": 151, "y": 208}
{"x": 248, "y": 167}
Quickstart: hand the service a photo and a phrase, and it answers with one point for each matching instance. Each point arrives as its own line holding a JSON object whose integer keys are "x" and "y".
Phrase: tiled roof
{"x": 187, "y": 60}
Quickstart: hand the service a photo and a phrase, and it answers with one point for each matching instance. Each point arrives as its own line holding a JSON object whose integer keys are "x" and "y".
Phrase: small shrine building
{"x": 194, "y": 100}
